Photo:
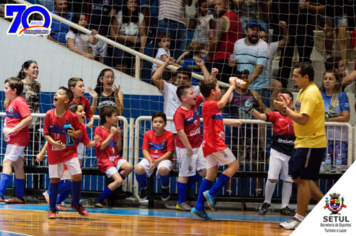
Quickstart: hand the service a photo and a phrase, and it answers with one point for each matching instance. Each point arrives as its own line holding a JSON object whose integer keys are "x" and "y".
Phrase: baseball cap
{"x": 252, "y": 23}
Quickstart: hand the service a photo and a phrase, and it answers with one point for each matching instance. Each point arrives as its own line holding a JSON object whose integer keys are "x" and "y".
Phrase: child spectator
{"x": 157, "y": 148}
{"x": 62, "y": 150}
{"x": 192, "y": 164}
{"x": 187, "y": 60}
{"x": 76, "y": 85}
{"x": 163, "y": 52}
{"x": 107, "y": 151}
{"x": 17, "y": 137}
{"x": 78, "y": 42}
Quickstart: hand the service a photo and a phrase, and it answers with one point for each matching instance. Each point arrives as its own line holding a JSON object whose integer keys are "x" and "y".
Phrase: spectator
{"x": 349, "y": 79}
{"x": 274, "y": 84}
{"x": 300, "y": 33}
{"x": 171, "y": 20}
{"x": 337, "y": 64}
{"x": 201, "y": 24}
{"x": 187, "y": 60}
{"x": 226, "y": 33}
{"x": 247, "y": 11}
{"x": 128, "y": 28}
{"x": 46, "y": 3}
{"x": 100, "y": 13}
{"x": 31, "y": 90}
{"x": 337, "y": 109}
{"x": 106, "y": 93}
{"x": 169, "y": 91}
{"x": 59, "y": 29}
{"x": 252, "y": 54}
{"x": 78, "y": 42}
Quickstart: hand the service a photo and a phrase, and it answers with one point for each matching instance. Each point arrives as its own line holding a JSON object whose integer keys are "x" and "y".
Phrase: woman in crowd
{"x": 129, "y": 28}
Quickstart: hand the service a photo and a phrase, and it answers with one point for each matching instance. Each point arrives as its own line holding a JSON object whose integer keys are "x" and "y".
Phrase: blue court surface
{"x": 159, "y": 213}
{"x": 6, "y": 233}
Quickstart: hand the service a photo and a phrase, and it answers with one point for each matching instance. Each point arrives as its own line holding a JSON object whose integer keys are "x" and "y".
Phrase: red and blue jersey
{"x": 109, "y": 156}
{"x": 189, "y": 121}
{"x": 157, "y": 146}
{"x": 54, "y": 126}
{"x": 86, "y": 105}
{"x": 213, "y": 126}
{"x": 16, "y": 111}
{"x": 84, "y": 138}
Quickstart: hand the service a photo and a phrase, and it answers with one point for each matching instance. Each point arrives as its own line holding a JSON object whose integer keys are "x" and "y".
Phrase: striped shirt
{"x": 172, "y": 10}
{"x": 248, "y": 56}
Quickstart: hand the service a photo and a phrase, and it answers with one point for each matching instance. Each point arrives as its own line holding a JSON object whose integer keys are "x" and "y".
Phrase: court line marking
{"x": 53, "y": 226}
{"x": 161, "y": 232}
{"x": 192, "y": 233}
{"x": 89, "y": 228}
{"x": 24, "y": 224}
{"x": 128, "y": 230}
{"x": 13, "y": 233}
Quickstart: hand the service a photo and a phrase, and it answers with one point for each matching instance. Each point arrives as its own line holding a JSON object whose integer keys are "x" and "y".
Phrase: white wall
{"x": 57, "y": 65}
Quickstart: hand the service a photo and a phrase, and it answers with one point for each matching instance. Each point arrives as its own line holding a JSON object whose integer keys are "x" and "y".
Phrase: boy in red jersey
{"x": 281, "y": 151}
{"x": 192, "y": 164}
{"x": 76, "y": 85}
{"x": 61, "y": 151}
{"x": 214, "y": 148}
{"x": 107, "y": 152}
{"x": 16, "y": 135}
{"x": 157, "y": 148}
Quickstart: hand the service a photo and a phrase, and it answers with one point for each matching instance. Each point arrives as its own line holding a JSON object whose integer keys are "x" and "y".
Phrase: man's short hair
{"x": 161, "y": 36}
{"x": 72, "y": 82}
{"x": 15, "y": 83}
{"x": 306, "y": 68}
{"x": 182, "y": 90}
{"x": 288, "y": 92}
{"x": 332, "y": 63}
{"x": 69, "y": 93}
{"x": 106, "y": 111}
{"x": 184, "y": 71}
{"x": 159, "y": 114}
{"x": 206, "y": 86}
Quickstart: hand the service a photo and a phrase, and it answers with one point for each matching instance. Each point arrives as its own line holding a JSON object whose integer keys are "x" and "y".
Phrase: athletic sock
{"x": 141, "y": 179}
{"x": 299, "y": 217}
{"x": 64, "y": 189}
{"x": 206, "y": 185}
{"x": 20, "y": 188}
{"x": 105, "y": 194}
{"x": 193, "y": 179}
{"x": 269, "y": 191}
{"x": 123, "y": 178}
{"x": 222, "y": 181}
{"x": 4, "y": 182}
{"x": 182, "y": 192}
{"x": 165, "y": 180}
{"x": 76, "y": 192}
{"x": 53, "y": 192}
{"x": 286, "y": 193}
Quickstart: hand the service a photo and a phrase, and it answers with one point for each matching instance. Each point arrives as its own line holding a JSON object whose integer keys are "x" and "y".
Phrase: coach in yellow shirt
{"x": 310, "y": 144}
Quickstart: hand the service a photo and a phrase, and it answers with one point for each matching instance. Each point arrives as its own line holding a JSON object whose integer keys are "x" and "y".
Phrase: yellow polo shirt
{"x": 312, "y": 135}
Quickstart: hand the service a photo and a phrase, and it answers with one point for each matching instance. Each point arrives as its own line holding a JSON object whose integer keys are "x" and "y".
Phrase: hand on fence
{"x": 249, "y": 106}
{"x": 94, "y": 32}
{"x": 171, "y": 61}
{"x": 90, "y": 125}
{"x": 236, "y": 123}
{"x": 92, "y": 93}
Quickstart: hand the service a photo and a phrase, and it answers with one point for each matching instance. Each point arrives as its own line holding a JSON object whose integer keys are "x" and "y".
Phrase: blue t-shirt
{"x": 190, "y": 64}
{"x": 59, "y": 29}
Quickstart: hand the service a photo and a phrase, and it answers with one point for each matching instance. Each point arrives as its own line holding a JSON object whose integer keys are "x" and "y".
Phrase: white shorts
{"x": 80, "y": 151}
{"x": 278, "y": 163}
{"x": 146, "y": 165}
{"x": 66, "y": 175}
{"x": 221, "y": 158}
{"x": 113, "y": 170}
{"x": 57, "y": 170}
{"x": 13, "y": 152}
{"x": 189, "y": 165}
{"x": 99, "y": 49}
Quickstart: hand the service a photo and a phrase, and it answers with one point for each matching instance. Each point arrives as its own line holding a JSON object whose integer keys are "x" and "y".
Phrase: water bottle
{"x": 327, "y": 166}
{"x": 69, "y": 139}
{"x": 239, "y": 82}
{"x": 6, "y": 136}
{"x": 338, "y": 163}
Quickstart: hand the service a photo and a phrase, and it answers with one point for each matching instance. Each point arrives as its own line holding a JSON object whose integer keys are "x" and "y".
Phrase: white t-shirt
{"x": 159, "y": 55}
{"x": 201, "y": 33}
{"x": 273, "y": 47}
{"x": 172, "y": 102}
{"x": 129, "y": 29}
{"x": 81, "y": 40}
{"x": 172, "y": 10}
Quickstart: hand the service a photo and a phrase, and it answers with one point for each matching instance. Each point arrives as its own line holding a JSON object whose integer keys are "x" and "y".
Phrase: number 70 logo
{"x": 21, "y": 14}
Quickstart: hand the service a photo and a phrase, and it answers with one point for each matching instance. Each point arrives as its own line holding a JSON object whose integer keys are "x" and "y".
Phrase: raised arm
{"x": 143, "y": 36}
{"x": 221, "y": 27}
{"x": 223, "y": 101}
{"x": 349, "y": 79}
{"x": 157, "y": 76}
{"x": 286, "y": 39}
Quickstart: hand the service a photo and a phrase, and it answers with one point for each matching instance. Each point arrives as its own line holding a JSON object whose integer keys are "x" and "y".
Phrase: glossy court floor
{"x": 31, "y": 219}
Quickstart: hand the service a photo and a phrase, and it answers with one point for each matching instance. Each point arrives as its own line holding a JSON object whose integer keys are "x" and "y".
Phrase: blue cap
{"x": 253, "y": 22}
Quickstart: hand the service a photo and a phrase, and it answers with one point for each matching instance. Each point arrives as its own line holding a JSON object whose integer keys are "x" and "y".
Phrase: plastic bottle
{"x": 69, "y": 139}
{"x": 338, "y": 163}
{"x": 6, "y": 136}
{"x": 327, "y": 166}
{"x": 239, "y": 82}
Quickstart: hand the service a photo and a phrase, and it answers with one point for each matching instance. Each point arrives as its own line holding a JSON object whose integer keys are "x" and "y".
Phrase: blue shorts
{"x": 337, "y": 21}
{"x": 305, "y": 163}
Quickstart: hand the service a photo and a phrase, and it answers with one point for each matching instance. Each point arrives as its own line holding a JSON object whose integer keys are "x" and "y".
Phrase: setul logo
{"x": 335, "y": 204}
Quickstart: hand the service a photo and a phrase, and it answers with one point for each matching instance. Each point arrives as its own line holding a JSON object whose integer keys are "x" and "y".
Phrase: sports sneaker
{"x": 143, "y": 194}
{"x": 2, "y": 199}
{"x": 291, "y": 224}
{"x": 98, "y": 203}
{"x": 80, "y": 209}
{"x": 190, "y": 195}
{"x": 15, "y": 200}
{"x": 201, "y": 214}
{"x": 184, "y": 206}
{"x": 287, "y": 211}
{"x": 263, "y": 208}
{"x": 46, "y": 196}
{"x": 165, "y": 194}
{"x": 52, "y": 214}
{"x": 210, "y": 200}
{"x": 60, "y": 207}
